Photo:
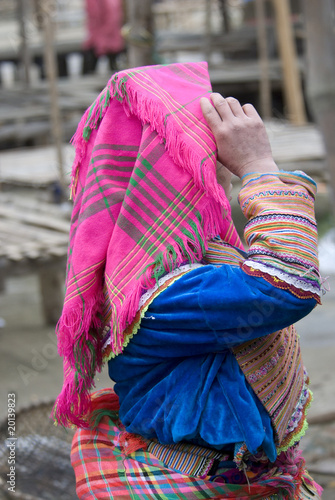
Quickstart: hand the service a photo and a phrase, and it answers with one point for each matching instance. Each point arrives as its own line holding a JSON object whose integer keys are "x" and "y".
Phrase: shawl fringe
{"x": 81, "y": 348}
{"x": 289, "y": 469}
{"x": 190, "y": 248}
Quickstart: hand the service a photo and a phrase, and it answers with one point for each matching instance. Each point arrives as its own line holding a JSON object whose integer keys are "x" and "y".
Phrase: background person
{"x": 104, "y": 22}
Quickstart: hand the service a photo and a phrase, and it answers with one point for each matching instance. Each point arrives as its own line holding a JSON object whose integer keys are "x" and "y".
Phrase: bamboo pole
{"x": 208, "y": 30}
{"x": 291, "y": 78}
{"x": 139, "y": 36}
{"x": 51, "y": 71}
{"x": 24, "y": 49}
{"x": 265, "y": 84}
{"x": 226, "y": 16}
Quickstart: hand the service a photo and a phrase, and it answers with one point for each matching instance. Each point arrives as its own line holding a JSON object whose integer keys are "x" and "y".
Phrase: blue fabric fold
{"x": 178, "y": 379}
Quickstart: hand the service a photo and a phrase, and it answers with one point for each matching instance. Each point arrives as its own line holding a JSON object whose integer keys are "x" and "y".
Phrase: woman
{"x": 103, "y": 22}
{"x": 211, "y": 393}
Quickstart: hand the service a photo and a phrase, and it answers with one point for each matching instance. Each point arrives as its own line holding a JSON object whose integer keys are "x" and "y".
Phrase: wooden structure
{"x": 297, "y": 147}
{"x": 194, "y": 27}
{"x": 52, "y": 75}
{"x": 25, "y": 111}
{"x": 291, "y": 77}
{"x": 263, "y": 58}
{"x": 33, "y": 168}
{"x": 320, "y": 42}
{"x": 140, "y": 32}
{"x": 34, "y": 239}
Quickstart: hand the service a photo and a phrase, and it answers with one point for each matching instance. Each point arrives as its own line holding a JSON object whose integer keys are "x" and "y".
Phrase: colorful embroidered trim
{"x": 298, "y": 424}
{"x": 144, "y": 303}
{"x": 191, "y": 460}
{"x": 219, "y": 253}
{"x": 273, "y": 367}
{"x": 281, "y": 231}
{"x": 283, "y": 280}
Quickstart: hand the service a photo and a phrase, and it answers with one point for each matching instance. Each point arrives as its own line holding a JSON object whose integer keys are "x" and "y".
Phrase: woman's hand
{"x": 242, "y": 141}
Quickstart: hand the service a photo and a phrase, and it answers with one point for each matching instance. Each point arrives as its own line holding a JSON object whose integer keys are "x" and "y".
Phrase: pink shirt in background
{"x": 104, "y": 21}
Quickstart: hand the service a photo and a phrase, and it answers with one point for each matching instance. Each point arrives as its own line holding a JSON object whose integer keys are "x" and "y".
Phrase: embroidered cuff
{"x": 281, "y": 231}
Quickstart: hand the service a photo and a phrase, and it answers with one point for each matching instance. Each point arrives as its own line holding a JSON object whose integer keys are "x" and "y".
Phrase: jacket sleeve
{"x": 281, "y": 232}
{"x": 276, "y": 285}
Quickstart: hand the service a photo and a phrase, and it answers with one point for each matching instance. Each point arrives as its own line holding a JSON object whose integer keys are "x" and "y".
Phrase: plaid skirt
{"x": 110, "y": 463}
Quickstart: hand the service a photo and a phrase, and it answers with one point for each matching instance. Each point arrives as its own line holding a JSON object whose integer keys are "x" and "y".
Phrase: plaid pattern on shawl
{"x": 111, "y": 463}
{"x": 146, "y": 199}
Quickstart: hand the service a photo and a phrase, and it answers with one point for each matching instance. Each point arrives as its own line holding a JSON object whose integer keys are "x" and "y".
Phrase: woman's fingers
{"x": 242, "y": 142}
{"x": 250, "y": 111}
{"x": 226, "y": 109}
{"x": 235, "y": 107}
{"x": 222, "y": 106}
{"x": 210, "y": 113}
{"x": 230, "y": 106}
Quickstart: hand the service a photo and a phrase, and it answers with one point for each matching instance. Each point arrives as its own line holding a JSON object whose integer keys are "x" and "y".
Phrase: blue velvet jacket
{"x": 178, "y": 378}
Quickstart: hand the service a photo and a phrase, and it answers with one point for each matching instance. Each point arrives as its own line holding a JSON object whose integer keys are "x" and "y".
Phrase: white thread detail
{"x": 151, "y": 291}
{"x": 298, "y": 411}
{"x": 291, "y": 280}
{"x": 161, "y": 281}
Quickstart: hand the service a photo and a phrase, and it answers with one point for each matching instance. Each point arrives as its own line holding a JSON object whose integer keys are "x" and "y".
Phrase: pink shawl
{"x": 146, "y": 199}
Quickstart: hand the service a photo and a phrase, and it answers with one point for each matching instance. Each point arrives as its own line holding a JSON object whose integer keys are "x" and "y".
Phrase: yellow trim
{"x": 296, "y": 437}
{"x": 135, "y": 326}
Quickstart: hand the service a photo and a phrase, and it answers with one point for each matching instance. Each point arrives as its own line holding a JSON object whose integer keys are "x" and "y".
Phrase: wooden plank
{"x": 208, "y": 31}
{"x": 44, "y": 236}
{"x": 9, "y": 113}
{"x": 9, "y": 239}
{"x": 139, "y": 39}
{"x": 244, "y": 72}
{"x": 291, "y": 143}
{"x": 51, "y": 70}
{"x": 19, "y": 253}
{"x": 31, "y": 248}
{"x": 24, "y": 49}
{"x": 34, "y": 204}
{"x": 67, "y": 40}
{"x": 28, "y": 266}
{"x": 14, "y": 253}
{"x": 263, "y": 57}
{"x": 31, "y": 231}
{"x": 38, "y": 220}
{"x": 57, "y": 251}
{"x": 46, "y": 252}
{"x": 320, "y": 42}
{"x": 235, "y": 41}
{"x": 33, "y": 166}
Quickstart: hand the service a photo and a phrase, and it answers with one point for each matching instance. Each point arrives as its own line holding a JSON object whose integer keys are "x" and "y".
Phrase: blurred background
{"x": 55, "y": 57}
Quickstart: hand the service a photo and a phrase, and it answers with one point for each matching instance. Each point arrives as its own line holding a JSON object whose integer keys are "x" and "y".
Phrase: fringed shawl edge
{"x": 80, "y": 329}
